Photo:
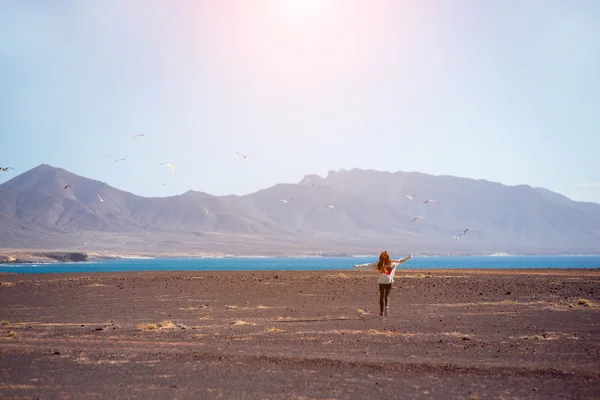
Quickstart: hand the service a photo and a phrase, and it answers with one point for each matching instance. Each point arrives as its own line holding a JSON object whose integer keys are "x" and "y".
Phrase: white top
{"x": 385, "y": 278}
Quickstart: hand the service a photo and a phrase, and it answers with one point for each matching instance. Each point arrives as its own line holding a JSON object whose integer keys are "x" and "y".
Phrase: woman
{"x": 387, "y": 269}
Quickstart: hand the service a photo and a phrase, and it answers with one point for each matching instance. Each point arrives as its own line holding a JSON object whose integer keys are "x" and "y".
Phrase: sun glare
{"x": 300, "y": 8}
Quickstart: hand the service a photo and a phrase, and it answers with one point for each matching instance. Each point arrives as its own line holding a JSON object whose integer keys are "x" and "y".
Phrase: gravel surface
{"x": 452, "y": 334}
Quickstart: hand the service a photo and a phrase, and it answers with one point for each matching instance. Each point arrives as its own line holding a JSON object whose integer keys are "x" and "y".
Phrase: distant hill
{"x": 370, "y": 212}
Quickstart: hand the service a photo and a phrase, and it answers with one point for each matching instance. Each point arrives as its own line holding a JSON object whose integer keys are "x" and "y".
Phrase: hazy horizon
{"x": 507, "y": 92}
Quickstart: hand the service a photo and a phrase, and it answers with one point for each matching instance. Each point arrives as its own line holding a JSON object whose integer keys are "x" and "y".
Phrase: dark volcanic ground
{"x": 301, "y": 335}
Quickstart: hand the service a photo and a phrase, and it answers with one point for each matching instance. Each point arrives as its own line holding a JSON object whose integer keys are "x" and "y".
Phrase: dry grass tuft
{"x": 285, "y": 319}
{"x": 543, "y": 336}
{"x": 242, "y": 338}
{"x": 456, "y": 334}
{"x": 373, "y": 332}
{"x": 417, "y": 276}
{"x": 240, "y": 322}
{"x": 585, "y": 302}
{"x": 391, "y": 333}
{"x": 276, "y": 330}
{"x": 387, "y": 333}
{"x": 95, "y": 285}
{"x": 339, "y": 275}
{"x": 262, "y": 307}
{"x": 11, "y": 334}
{"x": 166, "y": 324}
{"x": 147, "y": 327}
{"x": 362, "y": 312}
{"x": 5, "y": 323}
{"x": 232, "y": 307}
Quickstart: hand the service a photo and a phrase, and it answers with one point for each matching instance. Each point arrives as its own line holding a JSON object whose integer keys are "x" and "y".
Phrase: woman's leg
{"x": 381, "y": 296}
{"x": 388, "y": 289}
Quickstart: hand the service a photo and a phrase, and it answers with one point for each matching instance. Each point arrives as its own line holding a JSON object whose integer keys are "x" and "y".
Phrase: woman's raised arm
{"x": 372, "y": 265}
{"x": 405, "y": 259}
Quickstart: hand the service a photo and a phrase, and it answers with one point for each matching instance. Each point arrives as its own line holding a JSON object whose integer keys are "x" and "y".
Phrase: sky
{"x": 507, "y": 91}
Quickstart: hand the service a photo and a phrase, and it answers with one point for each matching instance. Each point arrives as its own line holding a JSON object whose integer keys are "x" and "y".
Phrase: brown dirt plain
{"x": 452, "y": 334}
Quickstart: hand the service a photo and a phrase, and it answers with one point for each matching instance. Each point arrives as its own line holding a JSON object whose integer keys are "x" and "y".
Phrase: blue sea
{"x": 303, "y": 264}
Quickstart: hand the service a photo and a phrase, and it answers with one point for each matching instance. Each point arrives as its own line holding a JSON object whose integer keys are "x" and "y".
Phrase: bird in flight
{"x": 68, "y": 186}
{"x": 205, "y": 210}
{"x": 332, "y": 207}
{"x": 285, "y": 201}
{"x": 465, "y": 232}
{"x": 166, "y": 184}
{"x": 115, "y": 159}
{"x": 169, "y": 165}
{"x": 431, "y": 201}
{"x": 137, "y": 135}
{"x": 101, "y": 199}
{"x": 410, "y": 197}
{"x": 456, "y": 237}
{"x": 5, "y": 169}
{"x": 307, "y": 181}
{"x": 243, "y": 155}
{"x": 418, "y": 217}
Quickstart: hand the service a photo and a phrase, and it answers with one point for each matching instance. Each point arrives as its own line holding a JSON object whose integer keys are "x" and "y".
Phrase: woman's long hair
{"x": 384, "y": 261}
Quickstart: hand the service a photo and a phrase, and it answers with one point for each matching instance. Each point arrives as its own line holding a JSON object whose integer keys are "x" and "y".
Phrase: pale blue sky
{"x": 507, "y": 91}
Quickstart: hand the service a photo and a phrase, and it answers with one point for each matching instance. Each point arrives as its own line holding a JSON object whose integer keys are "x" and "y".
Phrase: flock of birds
{"x": 310, "y": 183}
{"x": 410, "y": 197}
{"x": 244, "y": 156}
{"x": 425, "y": 202}
{"x": 462, "y": 234}
{"x": 116, "y": 160}
{"x": 418, "y": 217}
{"x": 166, "y": 164}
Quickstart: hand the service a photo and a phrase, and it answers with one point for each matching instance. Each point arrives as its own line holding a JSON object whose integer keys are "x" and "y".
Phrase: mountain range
{"x": 370, "y": 212}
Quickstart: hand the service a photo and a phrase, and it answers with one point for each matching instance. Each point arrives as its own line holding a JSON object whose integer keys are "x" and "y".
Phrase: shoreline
{"x": 401, "y": 276}
{"x": 8, "y": 257}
